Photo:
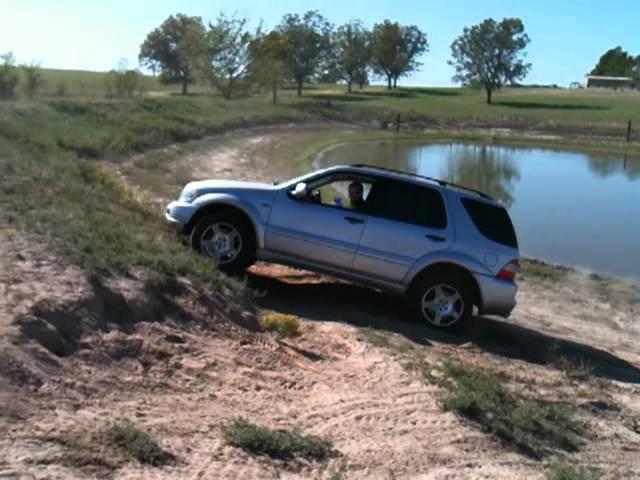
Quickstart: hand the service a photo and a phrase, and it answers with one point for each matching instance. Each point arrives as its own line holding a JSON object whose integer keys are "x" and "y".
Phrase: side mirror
{"x": 300, "y": 191}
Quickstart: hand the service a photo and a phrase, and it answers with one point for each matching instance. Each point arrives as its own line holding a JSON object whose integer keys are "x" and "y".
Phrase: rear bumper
{"x": 498, "y": 297}
{"x": 178, "y": 214}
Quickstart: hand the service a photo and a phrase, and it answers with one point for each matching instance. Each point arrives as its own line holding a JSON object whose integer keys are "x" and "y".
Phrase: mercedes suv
{"x": 446, "y": 248}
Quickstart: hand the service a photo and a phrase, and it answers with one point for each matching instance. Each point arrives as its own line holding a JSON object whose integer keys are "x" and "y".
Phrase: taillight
{"x": 509, "y": 271}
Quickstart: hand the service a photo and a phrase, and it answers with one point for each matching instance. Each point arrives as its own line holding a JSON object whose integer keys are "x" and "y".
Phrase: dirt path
{"x": 180, "y": 373}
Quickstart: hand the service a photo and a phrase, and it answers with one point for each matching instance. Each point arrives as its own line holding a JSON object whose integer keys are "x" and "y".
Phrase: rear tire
{"x": 442, "y": 300}
{"x": 227, "y": 239}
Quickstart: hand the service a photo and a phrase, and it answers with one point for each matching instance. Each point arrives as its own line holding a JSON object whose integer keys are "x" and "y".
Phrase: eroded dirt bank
{"x": 76, "y": 354}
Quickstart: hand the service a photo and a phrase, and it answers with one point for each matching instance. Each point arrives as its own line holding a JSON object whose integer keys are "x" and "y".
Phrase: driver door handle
{"x": 436, "y": 238}
{"x": 353, "y": 220}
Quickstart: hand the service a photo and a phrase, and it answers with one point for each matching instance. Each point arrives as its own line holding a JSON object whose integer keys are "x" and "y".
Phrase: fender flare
{"x": 454, "y": 258}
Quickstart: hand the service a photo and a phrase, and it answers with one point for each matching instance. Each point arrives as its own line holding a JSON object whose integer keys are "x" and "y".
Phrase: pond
{"x": 571, "y": 208}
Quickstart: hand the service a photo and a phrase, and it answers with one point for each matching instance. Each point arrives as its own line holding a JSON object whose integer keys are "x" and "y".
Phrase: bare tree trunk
{"x": 300, "y": 87}
{"x": 489, "y": 93}
{"x": 349, "y": 86}
{"x": 274, "y": 93}
{"x": 185, "y": 83}
{"x": 395, "y": 82}
{"x": 388, "y": 82}
{"x": 361, "y": 85}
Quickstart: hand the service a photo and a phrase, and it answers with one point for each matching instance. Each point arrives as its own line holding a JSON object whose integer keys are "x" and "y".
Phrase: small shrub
{"x": 33, "y": 80}
{"x": 283, "y": 325}
{"x": 280, "y": 444}
{"x": 564, "y": 471}
{"x": 61, "y": 89}
{"x": 138, "y": 444}
{"x": 573, "y": 368}
{"x": 8, "y": 76}
{"x": 122, "y": 83}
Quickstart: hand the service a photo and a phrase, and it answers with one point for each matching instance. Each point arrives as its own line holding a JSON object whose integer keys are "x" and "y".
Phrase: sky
{"x": 567, "y": 36}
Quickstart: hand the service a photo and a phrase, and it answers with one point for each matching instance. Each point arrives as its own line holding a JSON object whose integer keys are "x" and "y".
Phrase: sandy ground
{"x": 75, "y": 355}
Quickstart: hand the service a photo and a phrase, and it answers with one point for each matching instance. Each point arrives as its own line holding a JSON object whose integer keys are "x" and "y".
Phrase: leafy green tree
{"x": 32, "y": 79}
{"x": 8, "y": 76}
{"x": 352, "y": 44}
{"x": 268, "y": 60}
{"x": 396, "y": 49}
{"x": 176, "y": 46}
{"x": 491, "y": 54}
{"x": 616, "y": 62}
{"x": 309, "y": 40}
{"x": 227, "y": 53}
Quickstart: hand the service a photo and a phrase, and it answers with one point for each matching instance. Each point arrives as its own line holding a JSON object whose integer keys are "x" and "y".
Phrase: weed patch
{"x": 278, "y": 444}
{"x": 282, "y": 324}
{"x": 531, "y": 426}
{"x": 138, "y": 444}
{"x": 564, "y": 471}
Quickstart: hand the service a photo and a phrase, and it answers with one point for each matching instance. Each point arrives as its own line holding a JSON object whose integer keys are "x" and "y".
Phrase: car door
{"x": 312, "y": 231}
{"x": 405, "y": 222}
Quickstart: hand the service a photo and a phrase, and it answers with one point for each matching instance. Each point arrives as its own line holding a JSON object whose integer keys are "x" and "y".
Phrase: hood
{"x": 217, "y": 185}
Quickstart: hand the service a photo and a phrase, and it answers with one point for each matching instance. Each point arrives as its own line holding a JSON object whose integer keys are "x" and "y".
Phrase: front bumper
{"x": 179, "y": 214}
{"x": 498, "y": 297}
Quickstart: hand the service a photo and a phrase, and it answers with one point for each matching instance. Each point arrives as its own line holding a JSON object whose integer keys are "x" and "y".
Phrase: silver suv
{"x": 446, "y": 247}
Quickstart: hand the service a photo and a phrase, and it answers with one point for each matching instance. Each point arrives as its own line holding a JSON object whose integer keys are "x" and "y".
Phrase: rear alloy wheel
{"x": 442, "y": 301}
{"x": 227, "y": 240}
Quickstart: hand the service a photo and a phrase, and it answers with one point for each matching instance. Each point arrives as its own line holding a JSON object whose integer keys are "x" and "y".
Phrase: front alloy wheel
{"x": 221, "y": 242}
{"x": 227, "y": 239}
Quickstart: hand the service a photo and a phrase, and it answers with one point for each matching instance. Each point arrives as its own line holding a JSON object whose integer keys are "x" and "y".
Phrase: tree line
{"x": 617, "y": 62}
{"x": 306, "y": 48}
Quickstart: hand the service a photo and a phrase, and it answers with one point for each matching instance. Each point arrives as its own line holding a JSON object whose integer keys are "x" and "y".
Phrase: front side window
{"x": 342, "y": 191}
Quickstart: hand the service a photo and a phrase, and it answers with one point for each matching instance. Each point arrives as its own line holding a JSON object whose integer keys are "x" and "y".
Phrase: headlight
{"x": 189, "y": 195}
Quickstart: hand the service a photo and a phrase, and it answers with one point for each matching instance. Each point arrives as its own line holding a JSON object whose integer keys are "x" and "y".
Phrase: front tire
{"x": 227, "y": 239}
{"x": 442, "y": 301}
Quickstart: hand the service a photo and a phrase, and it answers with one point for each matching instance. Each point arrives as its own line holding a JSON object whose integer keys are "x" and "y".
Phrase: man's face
{"x": 355, "y": 193}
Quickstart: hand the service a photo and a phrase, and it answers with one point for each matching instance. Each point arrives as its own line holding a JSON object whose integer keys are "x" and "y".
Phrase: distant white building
{"x": 595, "y": 81}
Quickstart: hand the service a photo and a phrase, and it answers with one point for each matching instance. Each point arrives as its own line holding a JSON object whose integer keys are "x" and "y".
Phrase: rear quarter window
{"x": 491, "y": 221}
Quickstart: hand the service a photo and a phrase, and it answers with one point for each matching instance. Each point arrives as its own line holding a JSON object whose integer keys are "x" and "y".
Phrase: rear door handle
{"x": 436, "y": 238}
{"x": 353, "y": 220}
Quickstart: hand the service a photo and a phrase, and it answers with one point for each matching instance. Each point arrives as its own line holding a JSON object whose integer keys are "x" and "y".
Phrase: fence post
{"x": 629, "y": 131}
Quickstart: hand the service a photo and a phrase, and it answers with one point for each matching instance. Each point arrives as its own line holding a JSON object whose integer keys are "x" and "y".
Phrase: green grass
{"x": 278, "y": 444}
{"x": 534, "y": 427}
{"x": 564, "y": 471}
{"x": 137, "y": 444}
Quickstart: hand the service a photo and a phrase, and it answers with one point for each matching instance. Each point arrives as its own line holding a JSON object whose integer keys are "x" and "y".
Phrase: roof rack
{"x": 440, "y": 182}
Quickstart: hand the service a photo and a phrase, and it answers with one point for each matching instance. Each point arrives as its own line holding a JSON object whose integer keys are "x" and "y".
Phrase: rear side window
{"x": 492, "y": 221}
{"x": 405, "y": 202}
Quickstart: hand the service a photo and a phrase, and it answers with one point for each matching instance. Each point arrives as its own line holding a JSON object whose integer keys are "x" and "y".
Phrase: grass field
{"x": 518, "y": 105}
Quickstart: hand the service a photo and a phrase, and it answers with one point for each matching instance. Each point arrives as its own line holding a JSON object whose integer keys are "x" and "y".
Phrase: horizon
{"x": 122, "y": 27}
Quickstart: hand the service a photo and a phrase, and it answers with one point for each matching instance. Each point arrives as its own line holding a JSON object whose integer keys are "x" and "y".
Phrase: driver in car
{"x": 356, "y": 192}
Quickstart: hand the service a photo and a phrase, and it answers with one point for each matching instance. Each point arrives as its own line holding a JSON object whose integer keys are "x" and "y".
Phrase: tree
{"x": 396, "y": 49}
{"x": 176, "y": 46}
{"x": 268, "y": 60}
{"x": 491, "y": 54}
{"x": 309, "y": 43}
{"x": 8, "y": 76}
{"x": 227, "y": 53}
{"x": 616, "y": 62}
{"x": 353, "y": 51}
{"x": 33, "y": 79}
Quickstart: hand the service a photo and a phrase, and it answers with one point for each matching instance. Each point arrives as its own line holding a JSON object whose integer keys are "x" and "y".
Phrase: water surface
{"x": 571, "y": 208}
